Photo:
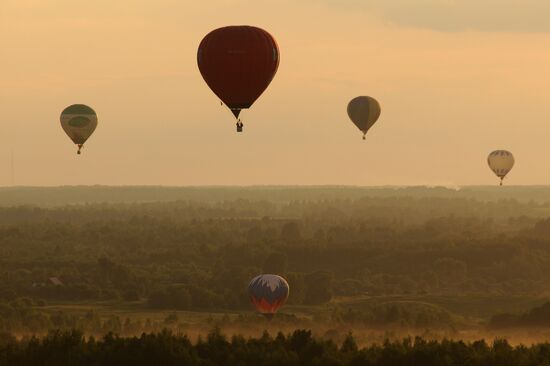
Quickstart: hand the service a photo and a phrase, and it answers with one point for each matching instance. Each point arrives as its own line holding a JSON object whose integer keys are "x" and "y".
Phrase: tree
{"x": 276, "y": 263}
{"x": 318, "y": 287}
{"x": 290, "y": 232}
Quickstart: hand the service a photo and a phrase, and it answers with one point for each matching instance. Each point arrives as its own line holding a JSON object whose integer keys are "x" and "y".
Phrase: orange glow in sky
{"x": 455, "y": 81}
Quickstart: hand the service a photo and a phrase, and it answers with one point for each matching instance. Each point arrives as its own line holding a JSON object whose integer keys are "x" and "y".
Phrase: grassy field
{"x": 479, "y": 307}
{"x": 471, "y": 311}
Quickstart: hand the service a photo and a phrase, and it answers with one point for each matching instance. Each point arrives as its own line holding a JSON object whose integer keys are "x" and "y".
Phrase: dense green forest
{"x": 370, "y": 257}
{"x": 299, "y": 348}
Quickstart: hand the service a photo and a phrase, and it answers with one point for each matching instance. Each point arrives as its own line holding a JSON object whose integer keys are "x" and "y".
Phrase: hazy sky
{"x": 456, "y": 79}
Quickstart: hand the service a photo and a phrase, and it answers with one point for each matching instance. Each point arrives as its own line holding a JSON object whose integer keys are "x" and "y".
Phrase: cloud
{"x": 459, "y": 15}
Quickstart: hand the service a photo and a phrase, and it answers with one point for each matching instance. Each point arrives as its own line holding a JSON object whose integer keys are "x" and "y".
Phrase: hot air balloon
{"x": 500, "y": 162}
{"x": 268, "y": 293}
{"x": 238, "y": 63}
{"x": 79, "y": 122}
{"x": 363, "y": 112}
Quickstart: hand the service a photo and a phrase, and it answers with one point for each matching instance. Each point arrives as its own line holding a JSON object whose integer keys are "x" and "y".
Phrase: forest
{"x": 298, "y": 348}
{"x": 381, "y": 262}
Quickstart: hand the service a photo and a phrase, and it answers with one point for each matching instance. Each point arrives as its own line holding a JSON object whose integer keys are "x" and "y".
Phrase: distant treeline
{"x": 297, "y": 349}
{"x": 68, "y": 195}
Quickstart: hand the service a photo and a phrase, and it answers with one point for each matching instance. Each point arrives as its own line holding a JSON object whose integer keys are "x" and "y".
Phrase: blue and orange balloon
{"x": 268, "y": 293}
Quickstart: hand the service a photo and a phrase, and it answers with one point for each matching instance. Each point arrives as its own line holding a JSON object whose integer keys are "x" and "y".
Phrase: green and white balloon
{"x": 79, "y": 122}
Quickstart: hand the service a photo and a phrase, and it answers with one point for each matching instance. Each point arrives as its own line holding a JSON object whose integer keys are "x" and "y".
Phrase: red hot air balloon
{"x": 238, "y": 63}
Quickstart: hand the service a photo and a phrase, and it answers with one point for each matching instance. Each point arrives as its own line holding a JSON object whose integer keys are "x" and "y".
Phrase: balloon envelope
{"x": 238, "y": 63}
{"x": 79, "y": 122}
{"x": 268, "y": 293}
{"x": 500, "y": 162}
{"x": 364, "y": 112}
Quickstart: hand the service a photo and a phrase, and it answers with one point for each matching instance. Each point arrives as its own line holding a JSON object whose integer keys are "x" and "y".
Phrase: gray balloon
{"x": 364, "y": 112}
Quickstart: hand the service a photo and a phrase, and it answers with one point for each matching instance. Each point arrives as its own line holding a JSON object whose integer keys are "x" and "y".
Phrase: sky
{"x": 456, "y": 79}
